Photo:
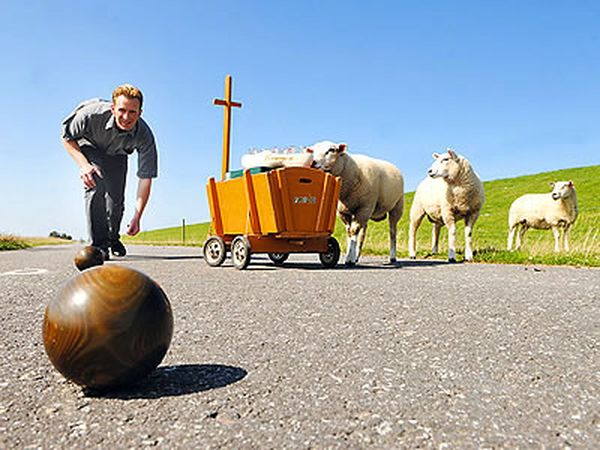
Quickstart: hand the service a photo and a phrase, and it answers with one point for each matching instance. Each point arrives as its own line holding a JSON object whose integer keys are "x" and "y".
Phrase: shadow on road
{"x": 267, "y": 265}
{"x": 157, "y": 257}
{"x": 261, "y": 262}
{"x": 173, "y": 381}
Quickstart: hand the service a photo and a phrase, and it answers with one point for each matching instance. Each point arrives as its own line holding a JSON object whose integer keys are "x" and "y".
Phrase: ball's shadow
{"x": 173, "y": 381}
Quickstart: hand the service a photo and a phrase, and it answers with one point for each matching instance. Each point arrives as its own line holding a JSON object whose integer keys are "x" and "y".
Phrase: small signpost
{"x": 228, "y": 104}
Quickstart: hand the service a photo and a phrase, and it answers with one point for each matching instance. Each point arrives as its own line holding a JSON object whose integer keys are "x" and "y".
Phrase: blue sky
{"x": 512, "y": 85}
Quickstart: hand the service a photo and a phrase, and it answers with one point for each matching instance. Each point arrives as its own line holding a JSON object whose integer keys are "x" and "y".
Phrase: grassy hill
{"x": 490, "y": 232}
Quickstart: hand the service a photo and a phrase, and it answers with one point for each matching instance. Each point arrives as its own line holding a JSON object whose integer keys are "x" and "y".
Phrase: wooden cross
{"x": 228, "y": 104}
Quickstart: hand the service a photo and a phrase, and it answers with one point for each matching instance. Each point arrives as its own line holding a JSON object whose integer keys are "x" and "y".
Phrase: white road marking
{"x": 26, "y": 271}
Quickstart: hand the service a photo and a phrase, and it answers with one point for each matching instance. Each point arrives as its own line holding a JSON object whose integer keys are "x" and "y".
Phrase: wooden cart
{"x": 278, "y": 212}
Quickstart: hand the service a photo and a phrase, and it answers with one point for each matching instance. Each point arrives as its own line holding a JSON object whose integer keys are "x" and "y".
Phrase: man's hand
{"x": 87, "y": 175}
{"x": 133, "y": 227}
{"x": 86, "y": 170}
{"x": 143, "y": 193}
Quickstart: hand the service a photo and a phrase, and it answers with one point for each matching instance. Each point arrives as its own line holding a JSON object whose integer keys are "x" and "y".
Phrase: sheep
{"x": 371, "y": 189}
{"x": 554, "y": 210}
{"x": 452, "y": 191}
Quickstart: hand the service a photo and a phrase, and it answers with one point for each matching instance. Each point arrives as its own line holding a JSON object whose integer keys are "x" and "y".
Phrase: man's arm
{"x": 143, "y": 194}
{"x": 86, "y": 170}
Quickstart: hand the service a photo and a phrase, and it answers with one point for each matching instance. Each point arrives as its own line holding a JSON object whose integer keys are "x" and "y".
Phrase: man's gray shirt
{"x": 92, "y": 123}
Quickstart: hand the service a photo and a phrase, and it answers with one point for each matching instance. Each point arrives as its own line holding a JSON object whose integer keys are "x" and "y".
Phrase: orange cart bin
{"x": 282, "y": 211}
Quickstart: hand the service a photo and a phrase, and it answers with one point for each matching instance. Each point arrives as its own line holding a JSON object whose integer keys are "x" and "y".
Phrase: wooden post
{"x": 228, "y": 104}
{"x": 183, "y": 230}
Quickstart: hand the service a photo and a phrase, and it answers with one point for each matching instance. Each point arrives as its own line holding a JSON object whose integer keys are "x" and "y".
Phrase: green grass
{"x": 10, "y": 242}
{"x": 490, "y": 232}
{"x": 195, "y": 235}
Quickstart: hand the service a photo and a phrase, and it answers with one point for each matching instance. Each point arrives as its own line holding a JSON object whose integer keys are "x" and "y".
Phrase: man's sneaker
{"x": 105, "y": 254}
{"x": 118, "y": 249}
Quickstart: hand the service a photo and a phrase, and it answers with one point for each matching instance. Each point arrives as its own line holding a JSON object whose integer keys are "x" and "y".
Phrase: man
{"x": 99, "y": 136}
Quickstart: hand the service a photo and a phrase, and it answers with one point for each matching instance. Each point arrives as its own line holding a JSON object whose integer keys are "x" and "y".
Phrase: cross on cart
{"x": 228, "y": 104}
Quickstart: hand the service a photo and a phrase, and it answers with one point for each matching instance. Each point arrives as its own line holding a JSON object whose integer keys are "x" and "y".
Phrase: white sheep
{"x": 553, "y": 210}
{"x": 452, "y": 191}
{"x": 371, "y": 189}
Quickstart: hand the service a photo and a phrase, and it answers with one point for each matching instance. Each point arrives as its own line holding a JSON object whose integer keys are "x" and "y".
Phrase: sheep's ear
{"x": 451, "y": 153}
{"x": 571, "y": 184}
{"x": 435, "y": 155}
{"x": 551, "y": 183}
{"x": 342, "y": 147}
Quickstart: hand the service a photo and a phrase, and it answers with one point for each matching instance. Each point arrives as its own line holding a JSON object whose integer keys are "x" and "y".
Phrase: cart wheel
{"x": 240, "y": 252}
{"x": 214, "y": 251}
{"x": 331, "y": 257}
{"x": 278, "y": 258}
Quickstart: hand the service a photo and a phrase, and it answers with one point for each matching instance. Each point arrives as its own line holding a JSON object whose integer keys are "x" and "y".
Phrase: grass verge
{"x": 194, "y": 235}
{"x": 11, "y": 242}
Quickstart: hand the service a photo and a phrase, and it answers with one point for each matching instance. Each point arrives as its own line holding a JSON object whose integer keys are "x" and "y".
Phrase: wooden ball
{"x": 108, "y": 327}
{"x": 88, "y": 257}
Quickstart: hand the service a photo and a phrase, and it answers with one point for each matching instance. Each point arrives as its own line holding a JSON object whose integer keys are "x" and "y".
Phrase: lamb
{"x": 371, "y": 189}
{"x": 554, "y": 210}
{"x": 452, "y": 191}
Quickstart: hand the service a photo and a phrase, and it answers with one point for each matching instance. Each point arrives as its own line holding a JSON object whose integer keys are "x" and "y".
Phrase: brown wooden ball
{"x": 109, "y": 326}
{"x": 88, "y": 257}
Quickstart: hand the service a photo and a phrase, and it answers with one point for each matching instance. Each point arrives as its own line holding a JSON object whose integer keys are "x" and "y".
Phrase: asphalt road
{"x": 422, "y": 354}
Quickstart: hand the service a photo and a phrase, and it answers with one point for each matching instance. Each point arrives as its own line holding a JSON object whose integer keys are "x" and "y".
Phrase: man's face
{"x": 127, "y": 111}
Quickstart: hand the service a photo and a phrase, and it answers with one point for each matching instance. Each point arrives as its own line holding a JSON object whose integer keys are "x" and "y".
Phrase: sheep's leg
{"x": 362, "y": 233}
{"x": 358, "y": 231}
{"x": 356, "y": 237}
{"x": 469, "y": 238}
{"x": 511, "y": 236}
{"x": 393, "y": 217}
{"x": 350, "y": 241}
{"x": 415, "y": 222}
{"x": 416, "y": 217}
{"x": 469, "y": 224}
{"x": 435, "y": 237}
{"x": 556, "y": 232}
{"x": 393, "y": 232}
{"x": 351, "y": 250}
{"x": 451, "y": 224}
{"x": 521, "y": 236}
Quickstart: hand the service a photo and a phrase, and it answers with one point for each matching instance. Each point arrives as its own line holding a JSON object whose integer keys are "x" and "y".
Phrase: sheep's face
{"x": 445, "y": 165}
{"x": 562, "y": 189}
{"x": 326, "y": 154}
